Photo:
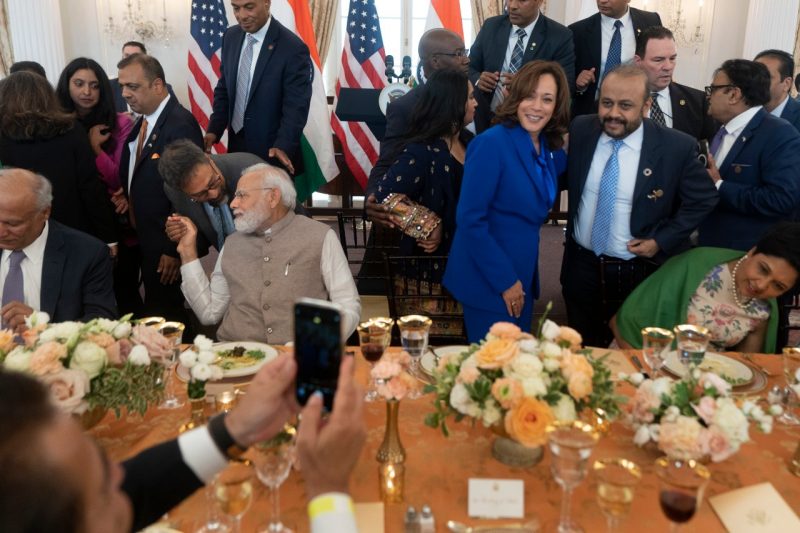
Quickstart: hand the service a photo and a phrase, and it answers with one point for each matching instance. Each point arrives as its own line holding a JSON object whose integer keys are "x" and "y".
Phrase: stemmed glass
{"x": 682, "y": 487}
{"x": 174, "y": 332}
{"x": 571, "y": 444}
{"x": 214, "y": 523}
{"x": 791, "y": 371}
{"x": 374, "y": 335}
{"x": 692, "y": 342}
{"x": 655, "y": 344}
{"x": 233, "y": 489}
{"x": 616, "y": 484}
{"x": 273, "y": 462}
{"x": 414, "y": 331}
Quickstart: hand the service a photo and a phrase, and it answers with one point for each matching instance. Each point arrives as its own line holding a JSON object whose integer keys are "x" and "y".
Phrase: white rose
{"x": 18, "y": 359}
{"x": 775, "y": 410}
{"x": 139, "y": 356}
{"x": 460, "y": 400}
{"x": 188, "y": 358}
{"x": 37, "y": 318}
{"x": 564, "y": 410}
{"x": 528, "y": 345}
{"x": 89, "y": 357}
{"x": 729, "y": 419}
{"x": 533, "y": 387}
{"x": 550, "y": 349}
{"x": 637, "y": 378}
{"x": 662, "y": 386}
{"x": 642, "y": 436}
{"x": 491, "y": 414}
{"x": 671, "y": 414}
{"x": 201, "y": 372}
{"x": 550, "y": 330}
{"x": 106, "y": 324}
{"x": 551, "y": 364}
{"x": 216, "y": 373}
{"x": 766, "y": 425}
{"x": 203, "y": 343}
{"x": 122, "y": 330}
{"x": 525, "y": 366}
{"x": 748, "y": 406}
{"x": 63, "y": 331}
{"x": 206, "y": 357}
{"x": 474, "y": 410}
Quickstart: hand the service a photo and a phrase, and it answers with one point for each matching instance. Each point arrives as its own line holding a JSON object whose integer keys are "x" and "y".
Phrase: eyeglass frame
{"x": 241, "y": 193}
{"x": 709, "y": 89}
{"x": 200, "y": 196}
{"x": 461, "y": 52}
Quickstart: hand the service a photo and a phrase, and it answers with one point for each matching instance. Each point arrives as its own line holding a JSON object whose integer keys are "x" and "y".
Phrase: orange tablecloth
{"x": 437, "y": 470}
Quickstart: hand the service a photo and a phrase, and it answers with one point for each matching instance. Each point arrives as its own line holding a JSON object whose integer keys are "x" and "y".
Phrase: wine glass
{"x": 414, "y": 331}
{"x": 692, "y": 342}
{"x": 571, "y": 444}
{"x": 233, "y": 490}
{"x": 616, "y": 483}
{"x": 374, "y": 335}
{"x": 791, "y": 371}
{"x": 682, "y": 487}
{"x": 214, "y": 522}
{"x": 273, "y": 461}
{"x": 173, "y": 331}
{"x": 655, "y": 344}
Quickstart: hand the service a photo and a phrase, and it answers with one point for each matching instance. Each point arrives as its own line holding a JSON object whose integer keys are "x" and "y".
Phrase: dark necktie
{"x": 716, "y": 142}
{"x": 519, "y": 50}
{"x": 656, "y": 114}
{"x": 614, "y": 57}
{"x": 14, "y": 286}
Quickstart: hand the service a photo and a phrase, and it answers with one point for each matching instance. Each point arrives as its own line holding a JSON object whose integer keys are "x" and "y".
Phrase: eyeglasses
{"x": 711, "y": 88}
{"x": 241, "y": 194}
{"x": 461, "y": 52}
{"x": 200, "y": 196}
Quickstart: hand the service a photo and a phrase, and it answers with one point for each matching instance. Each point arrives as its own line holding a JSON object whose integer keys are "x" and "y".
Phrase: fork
{"x": 752, "y": 361}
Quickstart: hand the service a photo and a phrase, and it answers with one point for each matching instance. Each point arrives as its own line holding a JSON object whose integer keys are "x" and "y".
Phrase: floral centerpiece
{"x": 693, "y": 417}
{"x": 199, "y": 361}
{"x": 520, "y": 383}
{"x": 393, "y": 382}
{"x": 108, "y": 364}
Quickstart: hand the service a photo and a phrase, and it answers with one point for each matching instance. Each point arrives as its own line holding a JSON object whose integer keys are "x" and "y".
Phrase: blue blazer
{"x": 791, "y": 113}
{"x": 280, "y": 91}
{"x": 761, "y": 184}
{"x": 506, "y": 194}
{"x": 77, "y": 279}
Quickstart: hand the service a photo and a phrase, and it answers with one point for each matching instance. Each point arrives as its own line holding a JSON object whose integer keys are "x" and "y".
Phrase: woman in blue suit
{"x": 510, "y": 184}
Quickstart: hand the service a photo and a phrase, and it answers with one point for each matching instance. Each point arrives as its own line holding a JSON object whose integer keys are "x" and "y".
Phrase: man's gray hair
{"x": 272, "y": 176}
{"x": 40, "y": 185}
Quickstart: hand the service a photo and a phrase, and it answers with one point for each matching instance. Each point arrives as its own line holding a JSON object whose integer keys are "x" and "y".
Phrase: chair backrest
{"x": 411, "y": 292}
{"x": 364, "y": 244}
{"x": 788, "y": 319}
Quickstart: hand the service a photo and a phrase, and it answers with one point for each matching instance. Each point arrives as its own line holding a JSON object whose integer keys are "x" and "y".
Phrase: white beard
{"x": 249, "y": 221}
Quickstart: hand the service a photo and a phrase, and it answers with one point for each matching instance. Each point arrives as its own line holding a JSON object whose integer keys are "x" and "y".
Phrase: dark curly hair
{"x": 29, "y": 109}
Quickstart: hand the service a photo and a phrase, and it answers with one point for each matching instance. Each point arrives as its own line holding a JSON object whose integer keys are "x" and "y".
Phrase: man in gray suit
{"x": 200, "y": 186}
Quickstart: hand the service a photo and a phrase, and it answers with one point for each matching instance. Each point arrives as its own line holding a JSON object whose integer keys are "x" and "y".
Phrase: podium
{"x": 361, "y": 105}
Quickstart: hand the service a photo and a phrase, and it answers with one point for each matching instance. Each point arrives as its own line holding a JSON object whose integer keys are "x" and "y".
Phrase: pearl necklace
{"x": 733, "y": 287}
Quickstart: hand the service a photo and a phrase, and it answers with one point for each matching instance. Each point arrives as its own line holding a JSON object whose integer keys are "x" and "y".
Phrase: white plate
{"x": 719, "y": 364}
{"x": 428, "y": 360}
{"x": 270, "y": 352}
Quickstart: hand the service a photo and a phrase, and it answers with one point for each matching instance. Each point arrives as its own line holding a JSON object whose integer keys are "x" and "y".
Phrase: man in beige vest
{"x": 273, "y": 258}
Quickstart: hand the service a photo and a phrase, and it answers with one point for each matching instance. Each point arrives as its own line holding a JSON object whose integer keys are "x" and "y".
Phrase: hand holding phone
{"x": 317, "y": 348}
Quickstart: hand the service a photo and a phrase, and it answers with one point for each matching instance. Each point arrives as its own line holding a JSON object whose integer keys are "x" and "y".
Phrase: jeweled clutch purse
{"x": 415, "y": 220}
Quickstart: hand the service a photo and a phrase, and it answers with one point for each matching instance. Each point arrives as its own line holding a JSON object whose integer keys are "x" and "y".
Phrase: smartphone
{"x": 702, "y": 145}
{"x": 318, "y": 348}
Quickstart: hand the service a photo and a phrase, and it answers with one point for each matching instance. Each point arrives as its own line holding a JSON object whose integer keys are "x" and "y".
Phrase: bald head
{"x": 440, "y": 48}
{"x": 25, "y": 200}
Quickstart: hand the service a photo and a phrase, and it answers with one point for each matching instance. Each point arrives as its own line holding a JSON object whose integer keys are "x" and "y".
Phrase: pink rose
{"x": 67, "y": 388}
{"x": 402, "y": 357}
{"x": 398, "y": 387}
{"x": 384, "y": 369}
{"x": 468, "y": 375}
{"x": 118, "y": 352}
{"x": 706, "y": 408}
{"x": 716, "y": 444}
{"x": 159, "y": 347}
{"x": 644, "y": 401}
{"x": 505, "y": 330}
{"x": 47, "y": 358}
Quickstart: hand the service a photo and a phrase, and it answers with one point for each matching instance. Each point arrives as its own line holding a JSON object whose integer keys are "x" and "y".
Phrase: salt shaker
{"x": 426, "y": 522}
{"x": 411, "y": 521}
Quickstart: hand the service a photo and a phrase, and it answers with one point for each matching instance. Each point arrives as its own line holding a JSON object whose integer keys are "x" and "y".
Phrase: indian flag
{"x": 445, "y": 14}
{"x": 317, "y": 141}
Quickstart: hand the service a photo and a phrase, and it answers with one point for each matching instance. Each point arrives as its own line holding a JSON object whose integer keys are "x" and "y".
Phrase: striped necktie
{"x": 243, "y": 85}
{"x": 519, "y": 50}
{"x": 656, "y": 114}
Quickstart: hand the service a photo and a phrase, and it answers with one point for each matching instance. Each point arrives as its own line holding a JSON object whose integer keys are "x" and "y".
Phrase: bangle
{"x": 223, "y": 439}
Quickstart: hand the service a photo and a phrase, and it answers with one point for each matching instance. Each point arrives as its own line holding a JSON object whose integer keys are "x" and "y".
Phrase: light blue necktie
{"x": 606, "y": 198}
{"x": 614, "y": 57}
{"x": 519, "y": 50}
{"x": 242, "y": 85}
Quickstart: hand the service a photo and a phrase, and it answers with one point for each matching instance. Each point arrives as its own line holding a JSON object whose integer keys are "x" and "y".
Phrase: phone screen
{"x": 318, "y": 350}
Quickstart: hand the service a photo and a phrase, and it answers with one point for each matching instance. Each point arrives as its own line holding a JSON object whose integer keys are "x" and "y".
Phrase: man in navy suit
{"x": 162, "y": 121}
{"x": 636, "y": 192}
{"x": 523, "y": 30}
{"x": 754, "y": 159}
{"x": 594, "y": 37}
{"x": 781, "y": 69}
{"x": 264, "y": 90}
{"x": 674, "y": 105}
{"x": 46, "y": 266}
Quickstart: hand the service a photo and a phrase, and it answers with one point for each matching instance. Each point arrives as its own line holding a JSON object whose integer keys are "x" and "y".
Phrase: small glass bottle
{"x": 411, "y": 521}
{"x": 426, "y": 522}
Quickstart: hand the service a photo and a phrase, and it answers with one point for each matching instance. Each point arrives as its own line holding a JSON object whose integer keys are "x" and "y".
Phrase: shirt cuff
{"x": 718, "y": 184}
{"x": 201, "y": 455}
{"x": 332, "y": 511}
{"x": 192, "y": 269}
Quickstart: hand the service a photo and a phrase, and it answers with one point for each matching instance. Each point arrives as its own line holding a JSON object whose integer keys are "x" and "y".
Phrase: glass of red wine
{"x": 682, "y": 487}
{"x": 374, "y": 335}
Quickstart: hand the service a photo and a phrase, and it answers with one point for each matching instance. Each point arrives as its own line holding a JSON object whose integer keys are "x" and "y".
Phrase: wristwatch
{"x": 223, "y": 439}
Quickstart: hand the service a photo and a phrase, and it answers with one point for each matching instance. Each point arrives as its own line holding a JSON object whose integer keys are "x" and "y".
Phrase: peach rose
{"x": 384, "y": 369}
{"x": 402, "y": 357}
{"x": 573, "y": 363}
{"x": 644, "y": 401}
{"x": 526, "y": 423}
{"x": 102, "y": 339}
{"x": 681, "y": 439}
{"x": 31, "y": 335}
{"x": 67, "y": 388}
{"x": 46, "y": 359}
{"x": 468, "y": 375}
{"x": 716, "y": 444}
{"x": 505, "y": 330}
{"x": 6, "y": 340}
{"x": 579, "y": 386}
{"x": 496, "y": 353}
{"x": 119, "y": 351}
{"x": 569, "y": 335}
{"x": 159, "y": 347}
{"x": 398, "y": 387}
{"x": 507, "y": 392}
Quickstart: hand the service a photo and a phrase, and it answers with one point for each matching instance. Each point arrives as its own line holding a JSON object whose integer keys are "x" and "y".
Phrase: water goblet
{"x": 682, "y": 487}
{"x": 374, "y": 335}
{"x": 655, "y": 344}
{"x": 233, "y": 490}
{"x": 414, "y": 331}
{"x": 214, "y": 522}
{"x": 273, "y": 461}
{"x": 571, "y": 444}
{"x": 616, "y": 484}
{"x": 173, "y": 331}
{"x": 791, "y": 371}
{"x": 692, "y": 342}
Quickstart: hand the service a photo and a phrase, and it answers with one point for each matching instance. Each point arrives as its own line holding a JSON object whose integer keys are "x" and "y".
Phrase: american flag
{"x": 207, "y": 27}
{"x": 362, "y": 67}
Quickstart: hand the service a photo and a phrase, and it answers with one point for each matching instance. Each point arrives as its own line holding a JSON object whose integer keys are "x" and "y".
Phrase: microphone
{"x": 389, "y": 73}
{"x": 406, "y": 73}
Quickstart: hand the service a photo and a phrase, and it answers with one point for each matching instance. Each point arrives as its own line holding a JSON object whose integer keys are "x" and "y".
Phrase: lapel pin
{"x": 270, "y": 47}
{"x": 155, "y": 156}
{"x": 737, "y": 169}
{"x": 533, "y": 45}
{"x": 682, "y": 102}
{"x": 656, "y": 194}
{"x": 647, "y": 172}
{"x": 743, "y": 138}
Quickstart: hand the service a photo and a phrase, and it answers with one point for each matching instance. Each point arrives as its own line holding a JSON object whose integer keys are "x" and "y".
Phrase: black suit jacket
{"x": 398, "y": 116}
{"x": 280, "y": 91}
{"x": 550, "y": 41}
{"x": 791, "y": 113}
{"x": 669, "y": 164}
{"x": 77, "y": 280}
{"x": 690, "y": 112}
{"x": 588, "y": 39}
{"x": 150, "y": 205}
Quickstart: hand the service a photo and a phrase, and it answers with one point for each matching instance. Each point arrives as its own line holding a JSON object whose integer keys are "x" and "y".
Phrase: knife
{"x": 639, "y": 366}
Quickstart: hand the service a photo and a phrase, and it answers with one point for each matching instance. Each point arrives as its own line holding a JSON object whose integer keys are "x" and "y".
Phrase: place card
{"x": 755, "y": 509}
{"x": 496, "y": 498}
{"x": 369, "y": 516}
{"x": 617, "y": 361}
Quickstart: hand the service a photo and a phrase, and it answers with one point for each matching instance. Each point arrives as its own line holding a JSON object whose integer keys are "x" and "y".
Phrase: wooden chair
{"x": 364, "y": 244}
{"x": 786, "y": 305}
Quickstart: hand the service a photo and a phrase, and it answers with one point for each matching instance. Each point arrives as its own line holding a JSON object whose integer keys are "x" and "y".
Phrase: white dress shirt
{"x": 209, "y": 299}
{"x": 497, "y": 98}
{"x": 665, "y": 103}
{"x": 778, "y": 111}
{"x": 734, "y": 127}
{"x": 31, "y": 267}
{"x": 628, "y": 155}
{"x": 151, "y": 123}
{"x": 259, "y": 37}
